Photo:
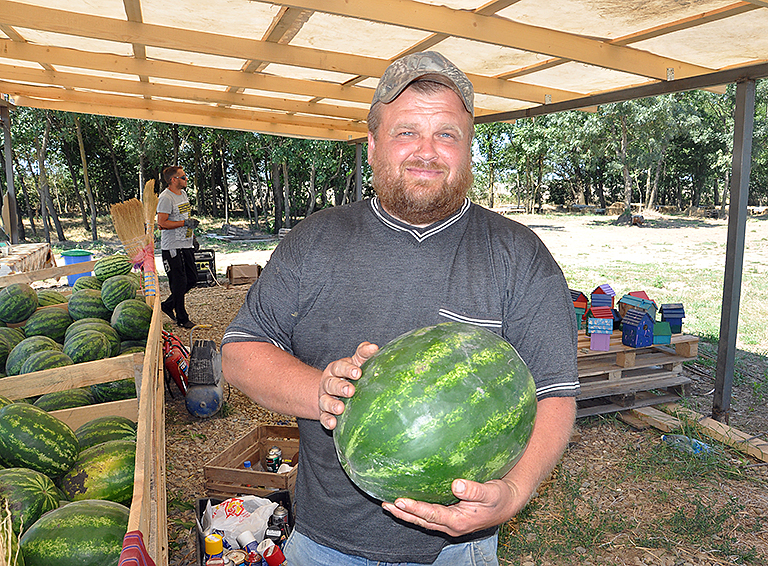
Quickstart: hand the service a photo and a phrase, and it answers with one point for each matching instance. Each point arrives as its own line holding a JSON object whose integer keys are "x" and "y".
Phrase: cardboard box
{"x": 282, "y": 497}
{"x": 243, "y": 274}
{"x": 225, "y": 474}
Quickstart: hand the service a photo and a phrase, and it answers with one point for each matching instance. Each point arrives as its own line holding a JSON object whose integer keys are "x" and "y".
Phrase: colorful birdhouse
{"x": 673, "y": 313}
{"x": 630, "y": 301}
{"x": 637, "y": 329}
{"x": 603, "y": 296}
{"x": 600, "y": 330}
{"x": 662, "y": 332}
{"x": 600, "y": 312}
{"x": 580, "y": 303}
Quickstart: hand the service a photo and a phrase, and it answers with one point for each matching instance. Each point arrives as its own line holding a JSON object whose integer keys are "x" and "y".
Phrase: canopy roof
{"x": 308, "y": 67}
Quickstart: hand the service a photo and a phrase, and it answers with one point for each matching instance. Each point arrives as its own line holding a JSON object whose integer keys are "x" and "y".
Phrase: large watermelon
{"x": 103, "y": 429}
{"x": 52, "y": 322}
{"x": 68, "y": 399}
{"x": 31, "y": 438}
{"x": 26, "y": 348}
{"x": 86, "y": 282}
{"x": 118, "y": 288}
{"x": 17, "y": 302}
{"x": 131, "y": 319}
{"x": 102, "y": 326}
{"x": 47, "y": 359}
{"x": 12, "y": 335}
{"x": 46, "y": 297}
{"x": 443, "y": 402}
{"x": 110, "y": 266}
{"x": 103, "y": 471}
{"x": 114, "y": 390}
{"x": 87, "y": 346}
{"x": 87, "y": 303}
{"x": 82, "y": 533}
{"x": 29, "y": 494}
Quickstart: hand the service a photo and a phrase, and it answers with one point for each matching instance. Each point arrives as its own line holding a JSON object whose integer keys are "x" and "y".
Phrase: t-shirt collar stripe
{"x": 419, "y": 234}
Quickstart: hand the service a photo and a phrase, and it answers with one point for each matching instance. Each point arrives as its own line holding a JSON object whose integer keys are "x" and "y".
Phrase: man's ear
{"x": 371, "y": 144}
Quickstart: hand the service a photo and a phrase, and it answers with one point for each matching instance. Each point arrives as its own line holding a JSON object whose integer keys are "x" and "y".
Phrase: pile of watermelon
{"x": 66, "y": 490}
{"x": 102, "y": 318}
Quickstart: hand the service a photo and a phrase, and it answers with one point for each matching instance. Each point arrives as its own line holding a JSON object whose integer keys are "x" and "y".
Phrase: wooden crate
{"x": 626, "y": 377}
{"x": 225, "y": 474}
{"x": 148, "y": 410}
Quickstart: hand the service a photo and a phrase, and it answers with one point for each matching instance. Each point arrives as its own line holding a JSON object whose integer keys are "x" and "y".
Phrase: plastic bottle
{"x": 687, "y": 444}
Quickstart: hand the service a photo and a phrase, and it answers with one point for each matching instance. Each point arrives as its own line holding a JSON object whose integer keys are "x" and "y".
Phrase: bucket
{"x": 76, "y": 256}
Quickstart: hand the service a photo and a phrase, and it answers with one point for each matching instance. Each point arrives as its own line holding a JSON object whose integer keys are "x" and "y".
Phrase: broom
{"x": 128, "y": 218}
{"x": 150, "y": 211}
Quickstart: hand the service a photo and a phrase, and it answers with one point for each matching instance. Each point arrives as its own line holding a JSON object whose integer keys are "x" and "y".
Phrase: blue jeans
{"x": 302, "y": 551}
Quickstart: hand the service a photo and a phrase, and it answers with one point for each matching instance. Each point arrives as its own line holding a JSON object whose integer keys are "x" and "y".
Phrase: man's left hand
{"x": 481, "y": 505}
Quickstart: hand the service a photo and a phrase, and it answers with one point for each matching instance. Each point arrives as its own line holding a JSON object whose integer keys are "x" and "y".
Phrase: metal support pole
{"x": 734, "y": 257}
{"x": 5, "y": 116}
{"x": 358, "y": 171}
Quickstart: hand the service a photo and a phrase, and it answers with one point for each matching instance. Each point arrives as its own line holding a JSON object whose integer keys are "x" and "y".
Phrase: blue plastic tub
{"x": 76, "y": 256}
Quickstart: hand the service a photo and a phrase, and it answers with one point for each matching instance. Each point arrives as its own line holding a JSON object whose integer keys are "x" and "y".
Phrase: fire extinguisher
{"x": 176, "y": 360}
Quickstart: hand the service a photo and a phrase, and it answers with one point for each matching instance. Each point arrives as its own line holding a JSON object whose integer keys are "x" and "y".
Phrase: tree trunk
{"x": 73, "y": 174}
{"x": 726, "y": 190}
{"x": 104, "y": 135}
{"x": 625, "y": 168}
{"x": 287, "y": 195}
{"x": 42, "y": 184}
{"x": 176, "y": 144}
{"x": 30, "y": 212}
{"x": 87, "y": 184}
{"x": 312, "y": 188}
{"x": 277, "y": 195}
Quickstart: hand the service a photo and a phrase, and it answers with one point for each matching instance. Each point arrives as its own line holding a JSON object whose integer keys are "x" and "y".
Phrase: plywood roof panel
{"x": 308, "y": 67}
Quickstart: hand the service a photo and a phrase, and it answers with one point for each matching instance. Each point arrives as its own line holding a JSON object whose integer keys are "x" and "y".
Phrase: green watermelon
{"x": 17, "y": 302}
{"x": 46, "y": 297}
{"x": 31, "y": 438}
{"x": 29, "y": 494}
{"x": 26, "y": 348}
{"x": 448, "y": 401}
{"x": 87, "y": 346}
{"x": 118, "y": 288}
{"x": 87, "y": 303}
{"x": 5, "y": 349}
{"x": 131, "y": 319}
{"x": 86, "y": 282}
{"x": 82, "y": 533}
{"x": 4, "y": 401}
{"x": 132, "y": 350}
{"x": 103, "y": 471}
{"x": 110, "y": 266}
{"x": 100, "y": 325}
{"x": 46, "y": 359}
{"x": 103, "y": 429}
{"x": 52, "y": 322}
{"x": 114, "y": 390}
{"x": 68, "y": 399}
{"x": 12, "y": 335}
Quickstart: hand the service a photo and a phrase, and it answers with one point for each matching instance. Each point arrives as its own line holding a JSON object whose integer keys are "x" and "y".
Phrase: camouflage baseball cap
{"x": 429, "y": 65}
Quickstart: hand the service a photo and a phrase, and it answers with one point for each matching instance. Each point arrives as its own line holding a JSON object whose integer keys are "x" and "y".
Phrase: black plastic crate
{"x": 283, "y": 497}
{"x": 205, "y": 262}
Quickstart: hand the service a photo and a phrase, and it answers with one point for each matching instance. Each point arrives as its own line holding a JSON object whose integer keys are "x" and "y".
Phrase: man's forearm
{"x": 273, "y": 378}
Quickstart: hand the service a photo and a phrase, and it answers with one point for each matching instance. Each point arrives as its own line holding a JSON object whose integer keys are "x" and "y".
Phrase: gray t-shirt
{"x": 177, "y": 208}
{"x": 353, "y": 273}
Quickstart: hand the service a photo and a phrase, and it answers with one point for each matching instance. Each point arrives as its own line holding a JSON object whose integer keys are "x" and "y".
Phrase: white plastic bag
{"x": 237, "y": 514}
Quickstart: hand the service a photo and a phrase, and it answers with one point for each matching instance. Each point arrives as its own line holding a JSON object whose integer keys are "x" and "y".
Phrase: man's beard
{"x": 419, "y": 202}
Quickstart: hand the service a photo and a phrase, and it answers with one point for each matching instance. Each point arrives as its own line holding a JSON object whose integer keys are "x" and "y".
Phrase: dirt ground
{"x": 599, "y": 457}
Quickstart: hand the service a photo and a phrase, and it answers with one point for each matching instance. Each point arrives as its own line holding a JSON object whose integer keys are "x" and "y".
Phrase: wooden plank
{"x": 660, "y": 380}
{"x": 78, "y": 416}
{"x": 656, "y": 418}
{"x": 48, "y": 273}
{"x": 601, "y": 406}
{"x": 722, "y": 432}
{"x": 69, "y": 377}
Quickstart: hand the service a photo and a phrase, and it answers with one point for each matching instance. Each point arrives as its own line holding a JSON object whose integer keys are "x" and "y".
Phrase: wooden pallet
{"x": 625, "y": 377}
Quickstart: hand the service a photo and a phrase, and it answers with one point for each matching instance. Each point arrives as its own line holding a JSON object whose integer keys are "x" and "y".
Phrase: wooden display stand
{"x": 148, "y": 410}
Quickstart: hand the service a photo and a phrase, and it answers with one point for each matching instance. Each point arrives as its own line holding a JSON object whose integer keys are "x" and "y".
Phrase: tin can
{"x": 214, "y": 547}
{"x": 224, "y": 541}
{"x": 236, "y": 557}
{"x": 247, "y": 541}
{"x": 274, "y": 459}
{"x": 253, "y": 559}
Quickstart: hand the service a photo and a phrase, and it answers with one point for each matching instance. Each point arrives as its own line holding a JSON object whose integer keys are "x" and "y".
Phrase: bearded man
{"x": 348, "y": 278}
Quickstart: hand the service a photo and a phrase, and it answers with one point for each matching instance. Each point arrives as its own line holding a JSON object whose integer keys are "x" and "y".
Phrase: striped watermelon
{"x": 82, "y": 533}
{"x": 103, "y": 471}
{"x": 52, "y": 322}
{"x": 29, "y": 494}
{"x": 47, "y": 359}
{"x": 103, "y": 429}
{"x": 86, "y": 282}
{"x": 68, "y": 399}
{"x": 114, "y": 390}
{"x": 87, "y": 303}
{"x": 31, "y": 438}
{"x": 131, "y": 319}
{"x": 17, "y": 302}
{"x": 443, "y": 402}
{"x": 118, "y": 288}
{"x": 47, "y": 297}
{"x": 101, "y": 326}
{"x": 26, "y": 348}
{"x": 12, "y": 335}
{"x": 4, "y": 401}
{"x": 87, "y": 346}
{"x": 110, "y": 266}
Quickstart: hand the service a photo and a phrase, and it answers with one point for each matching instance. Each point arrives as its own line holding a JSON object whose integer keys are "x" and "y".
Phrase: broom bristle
{"x": 150, "y": 205}
{"x": 128, "y": 218}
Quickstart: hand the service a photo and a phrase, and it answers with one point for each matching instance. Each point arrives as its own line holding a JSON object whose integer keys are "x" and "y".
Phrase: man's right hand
{"x": 335, "y": 383}
{"x": 191, "y": 223}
